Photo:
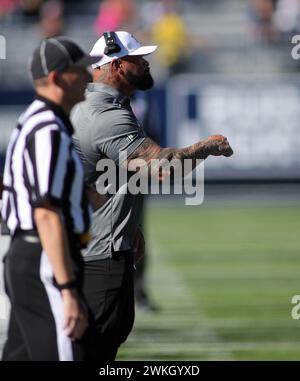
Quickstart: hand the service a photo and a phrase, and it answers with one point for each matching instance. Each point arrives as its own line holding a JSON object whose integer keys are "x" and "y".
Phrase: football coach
{"x": 105, "y": 127}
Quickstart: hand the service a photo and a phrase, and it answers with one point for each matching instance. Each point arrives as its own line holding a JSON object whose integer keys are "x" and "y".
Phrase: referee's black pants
{"x": 35, "y": 331}
{"x": 108, "y": 288}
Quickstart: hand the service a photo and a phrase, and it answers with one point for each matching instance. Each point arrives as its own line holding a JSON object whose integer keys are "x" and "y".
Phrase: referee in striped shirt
{"x": 45, "y": 209}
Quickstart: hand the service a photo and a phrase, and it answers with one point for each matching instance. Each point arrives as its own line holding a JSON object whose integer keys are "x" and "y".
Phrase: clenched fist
{"x": 218, "y": 145}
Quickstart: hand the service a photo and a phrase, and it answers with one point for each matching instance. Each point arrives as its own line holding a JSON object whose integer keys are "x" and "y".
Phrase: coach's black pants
{"x": 108, "y": 288}
{"x": 37, "y": 318}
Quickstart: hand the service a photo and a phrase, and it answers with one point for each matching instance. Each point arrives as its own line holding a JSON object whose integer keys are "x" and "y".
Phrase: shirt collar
{"x": 57, "y": 109}
{"x": 101, "y": 87}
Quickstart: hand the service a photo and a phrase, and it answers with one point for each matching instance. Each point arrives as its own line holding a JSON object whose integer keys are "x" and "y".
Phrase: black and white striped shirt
{"x": 42, "y": 167}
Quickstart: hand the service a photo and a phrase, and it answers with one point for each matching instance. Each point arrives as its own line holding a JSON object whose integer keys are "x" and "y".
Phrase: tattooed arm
{"x": 215, "y": 145}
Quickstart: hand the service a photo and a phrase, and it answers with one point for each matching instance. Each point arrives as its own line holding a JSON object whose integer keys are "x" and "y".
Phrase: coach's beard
{"x": 142, "y": 82}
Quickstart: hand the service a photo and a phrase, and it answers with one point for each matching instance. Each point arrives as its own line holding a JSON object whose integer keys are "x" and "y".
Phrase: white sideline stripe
{"x": 65, "y": 351}
{"x": 201, "y": 328}
{"x": 217, "y": 347}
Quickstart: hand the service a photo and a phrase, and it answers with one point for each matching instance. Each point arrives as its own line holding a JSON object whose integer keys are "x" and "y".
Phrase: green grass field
{"x": 224, "y": 277}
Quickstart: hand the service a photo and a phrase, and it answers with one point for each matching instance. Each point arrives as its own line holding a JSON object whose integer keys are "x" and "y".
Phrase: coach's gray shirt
{"x": 104, "y": 126}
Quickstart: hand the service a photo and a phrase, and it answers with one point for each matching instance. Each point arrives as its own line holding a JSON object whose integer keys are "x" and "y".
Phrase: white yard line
{"x": 179, "y": 328}
{"x": 201, "y": 327}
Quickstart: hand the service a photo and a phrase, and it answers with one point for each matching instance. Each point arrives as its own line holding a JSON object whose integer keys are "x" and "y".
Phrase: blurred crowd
{"x": 158, "y": 21}
{"x": 271, "y": 17}
{"x": 162, "y": 22}
{"x": 275, "y": 20}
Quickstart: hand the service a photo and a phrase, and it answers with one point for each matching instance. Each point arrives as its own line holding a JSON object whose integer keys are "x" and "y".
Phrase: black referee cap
{"x": 58, "y": 53}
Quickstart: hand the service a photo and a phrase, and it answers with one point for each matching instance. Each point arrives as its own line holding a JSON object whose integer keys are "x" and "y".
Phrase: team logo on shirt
{"x": 117, "y": 103}
{"x": 130, "y": 137}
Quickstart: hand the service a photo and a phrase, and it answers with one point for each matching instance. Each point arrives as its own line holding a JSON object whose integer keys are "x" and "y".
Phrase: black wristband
{"x": 68, "y": 285}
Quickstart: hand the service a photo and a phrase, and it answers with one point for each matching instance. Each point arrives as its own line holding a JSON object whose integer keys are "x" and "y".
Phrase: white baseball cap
{"x": 128, "y": 46}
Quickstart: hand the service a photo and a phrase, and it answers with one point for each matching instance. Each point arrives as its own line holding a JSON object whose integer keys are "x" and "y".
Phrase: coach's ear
{"x": 116, "y": 66}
